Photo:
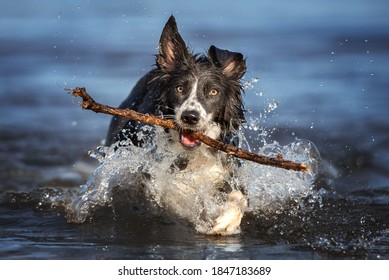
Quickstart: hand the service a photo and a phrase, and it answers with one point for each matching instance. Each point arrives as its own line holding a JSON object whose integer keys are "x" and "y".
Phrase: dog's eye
{"x": 213, "y": 92}
{"x": 179, "y": 89}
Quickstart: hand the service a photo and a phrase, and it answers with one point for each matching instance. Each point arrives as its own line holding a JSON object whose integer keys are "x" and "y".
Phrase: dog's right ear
{"x": 172, "y": 47}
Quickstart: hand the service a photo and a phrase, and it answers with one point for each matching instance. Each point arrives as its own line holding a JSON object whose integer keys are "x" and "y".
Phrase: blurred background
{"x": 322, "y": 70}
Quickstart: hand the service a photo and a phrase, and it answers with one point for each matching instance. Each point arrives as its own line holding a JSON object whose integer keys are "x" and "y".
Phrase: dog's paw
{"x": 228, "y": 223}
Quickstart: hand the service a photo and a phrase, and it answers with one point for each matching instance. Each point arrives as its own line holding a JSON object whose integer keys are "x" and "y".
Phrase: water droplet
{"x": 272, "y": 106}
{"x": 250, "y": 84}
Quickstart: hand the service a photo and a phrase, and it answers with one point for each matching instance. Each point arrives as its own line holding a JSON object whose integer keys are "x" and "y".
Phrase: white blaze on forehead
{"x": 192, "y": 103}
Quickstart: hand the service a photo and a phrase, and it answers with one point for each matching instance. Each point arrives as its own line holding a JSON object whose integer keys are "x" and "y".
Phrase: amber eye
{"x": 213, "y": 92}
{"x": 179, "y": 89}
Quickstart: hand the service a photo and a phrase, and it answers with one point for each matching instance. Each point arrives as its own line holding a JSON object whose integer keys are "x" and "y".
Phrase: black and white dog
{"x": 201, "y": 93}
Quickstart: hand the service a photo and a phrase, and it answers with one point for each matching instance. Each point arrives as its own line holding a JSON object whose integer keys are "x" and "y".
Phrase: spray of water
{"x": 152, "y": 181}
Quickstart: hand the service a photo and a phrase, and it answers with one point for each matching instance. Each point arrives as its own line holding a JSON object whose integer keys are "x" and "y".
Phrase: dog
{"x": 200, "y": 93}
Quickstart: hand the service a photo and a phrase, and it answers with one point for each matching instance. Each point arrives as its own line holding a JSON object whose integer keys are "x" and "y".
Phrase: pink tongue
{"x": 187, "y": 140}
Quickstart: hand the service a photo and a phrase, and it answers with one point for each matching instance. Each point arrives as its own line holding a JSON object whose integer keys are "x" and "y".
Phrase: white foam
{"x": 268, "y": 189}
{"x": 148, "y": 175}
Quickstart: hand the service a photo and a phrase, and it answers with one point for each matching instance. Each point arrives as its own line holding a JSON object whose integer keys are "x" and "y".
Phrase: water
{"x": 315, "y": 71}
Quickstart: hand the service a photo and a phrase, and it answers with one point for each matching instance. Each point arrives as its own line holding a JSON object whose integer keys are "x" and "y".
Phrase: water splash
{"x": 269, "y": 188}
{"x": 149, "y": 179}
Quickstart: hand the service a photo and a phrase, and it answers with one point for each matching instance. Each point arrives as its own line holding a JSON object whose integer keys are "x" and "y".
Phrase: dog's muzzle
{"x": 189, "y": 120}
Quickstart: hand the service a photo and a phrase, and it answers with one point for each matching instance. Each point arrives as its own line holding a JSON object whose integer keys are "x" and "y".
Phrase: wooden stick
{"x": 89, "y": 104}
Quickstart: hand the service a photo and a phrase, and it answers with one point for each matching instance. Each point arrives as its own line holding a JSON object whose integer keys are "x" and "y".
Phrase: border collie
{"x": 200, "y": 93}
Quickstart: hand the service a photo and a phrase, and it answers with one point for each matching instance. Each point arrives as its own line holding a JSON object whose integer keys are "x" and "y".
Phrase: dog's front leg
{"x": 228, "y": 222}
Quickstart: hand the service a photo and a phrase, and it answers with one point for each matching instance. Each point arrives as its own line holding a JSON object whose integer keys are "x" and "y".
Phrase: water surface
{"x": 322, "y": 76}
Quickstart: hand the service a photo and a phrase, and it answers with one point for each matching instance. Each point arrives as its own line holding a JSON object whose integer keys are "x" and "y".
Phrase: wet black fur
{"x": 175, "y": 65}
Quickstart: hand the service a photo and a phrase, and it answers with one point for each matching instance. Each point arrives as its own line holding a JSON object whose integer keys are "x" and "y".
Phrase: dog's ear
{"x": 233, "y": 64}
{"x": 172, "y": 47}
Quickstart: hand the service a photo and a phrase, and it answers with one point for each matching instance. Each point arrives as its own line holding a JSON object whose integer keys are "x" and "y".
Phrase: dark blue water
{"x": 324, "y": 64}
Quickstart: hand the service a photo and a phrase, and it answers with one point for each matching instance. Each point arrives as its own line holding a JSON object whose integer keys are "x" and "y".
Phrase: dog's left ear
{"x": 233, "y": 64}
{"x": 172, "y": 47}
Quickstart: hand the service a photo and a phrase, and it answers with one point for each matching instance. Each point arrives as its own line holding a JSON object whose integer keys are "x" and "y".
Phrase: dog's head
{"x": 201, "y": 93}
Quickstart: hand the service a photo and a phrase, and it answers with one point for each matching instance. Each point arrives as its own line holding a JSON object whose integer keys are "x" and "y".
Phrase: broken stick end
{"x": 77, "y": 92}
{"x": 87, "y": 101}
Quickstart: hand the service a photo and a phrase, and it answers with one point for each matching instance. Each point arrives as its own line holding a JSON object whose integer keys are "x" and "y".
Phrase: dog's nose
{"x": 190, "y": 117}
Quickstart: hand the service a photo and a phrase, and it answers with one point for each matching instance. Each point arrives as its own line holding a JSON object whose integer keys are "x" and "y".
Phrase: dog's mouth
{"x": 189, "y": 142}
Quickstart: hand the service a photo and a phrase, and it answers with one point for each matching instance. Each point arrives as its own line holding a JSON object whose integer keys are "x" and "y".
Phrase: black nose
{"x": 190, "y": 117}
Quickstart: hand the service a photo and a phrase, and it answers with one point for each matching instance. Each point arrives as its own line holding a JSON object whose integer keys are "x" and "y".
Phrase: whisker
{"x": 171, "y": 117}
{"x": 167, "y": 107}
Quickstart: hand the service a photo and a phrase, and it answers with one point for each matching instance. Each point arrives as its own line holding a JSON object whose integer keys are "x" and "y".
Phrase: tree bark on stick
{"x": 89, "y": 103}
